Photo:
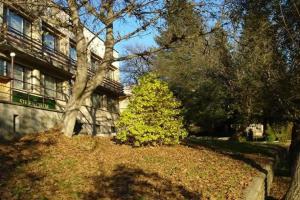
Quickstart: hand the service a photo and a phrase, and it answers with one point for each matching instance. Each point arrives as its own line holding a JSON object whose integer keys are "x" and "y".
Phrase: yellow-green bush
{"x": 153, "y": 115}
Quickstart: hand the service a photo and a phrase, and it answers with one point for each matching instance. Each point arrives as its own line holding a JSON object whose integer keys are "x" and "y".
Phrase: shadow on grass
{"x": 14, "y": 155}
{"x": 228, "y": 146}
{"x": 252, "y": 153}
{"x": 134, "y": 183}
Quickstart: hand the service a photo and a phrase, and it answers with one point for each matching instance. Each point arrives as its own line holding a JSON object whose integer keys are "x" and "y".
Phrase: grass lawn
{"x": 51, "y": 166}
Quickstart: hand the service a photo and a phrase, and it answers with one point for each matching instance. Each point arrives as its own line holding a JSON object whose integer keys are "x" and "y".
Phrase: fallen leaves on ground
{"x": 279, "y": 188}
{"x": 51, "y": 166}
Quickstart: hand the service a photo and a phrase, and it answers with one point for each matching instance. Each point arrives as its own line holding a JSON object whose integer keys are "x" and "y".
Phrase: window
{"x": 48, "y": 86}
{"x": 51, "y": 87}
{"x": 110, "y": 74}
{"x": 18, "y": 24}
{"x": 60, "y": 90}
{"x": 22, "y": 78}
{"x": 112, "y": 105}
{"x": 49, "y": 41}
{"x": 94, "y": 64}
{"x": 98, "y": 101}
{"x": 3, "y": 68}
{"x": 72, "y": 51}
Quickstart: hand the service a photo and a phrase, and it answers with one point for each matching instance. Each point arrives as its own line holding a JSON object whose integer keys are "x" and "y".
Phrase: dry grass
{"x": 51, "y": 166}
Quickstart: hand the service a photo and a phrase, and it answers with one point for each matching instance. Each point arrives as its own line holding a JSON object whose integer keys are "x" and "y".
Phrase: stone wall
{"x": 260, "y": 186}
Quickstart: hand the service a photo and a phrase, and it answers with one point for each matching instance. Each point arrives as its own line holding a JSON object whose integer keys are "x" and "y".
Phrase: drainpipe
{"x": 12, "y": 55}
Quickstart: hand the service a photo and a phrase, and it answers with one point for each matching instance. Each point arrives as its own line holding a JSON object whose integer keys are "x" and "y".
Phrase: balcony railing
{"x": 108, "y": 83}
{"x": 36, "y": 48}
{"x": 32, "y": 95}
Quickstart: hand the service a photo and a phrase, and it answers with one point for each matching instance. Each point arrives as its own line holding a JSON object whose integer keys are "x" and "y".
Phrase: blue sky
{"x": 147, "y": 39}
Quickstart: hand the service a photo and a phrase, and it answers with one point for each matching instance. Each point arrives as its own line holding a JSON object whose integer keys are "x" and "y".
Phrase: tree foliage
{"x": 153, "y": 115}
{"x": 198, "y": 67}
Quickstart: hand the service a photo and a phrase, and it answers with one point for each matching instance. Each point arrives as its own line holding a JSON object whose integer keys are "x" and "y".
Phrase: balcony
{"x": 112, "y": 85}
{"x": 13, "y": 39}
{"x": 32, "y": 95}
{"x": 109, "y": 84}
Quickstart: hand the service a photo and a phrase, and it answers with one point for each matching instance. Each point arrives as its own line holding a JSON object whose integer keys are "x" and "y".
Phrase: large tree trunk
{"x": 69, "y": 122}
{"x": 78, "y": 89}
{"x": 70, "y": 115}
{"x": 83, "y": 87}
{"x": 294, "y": 190}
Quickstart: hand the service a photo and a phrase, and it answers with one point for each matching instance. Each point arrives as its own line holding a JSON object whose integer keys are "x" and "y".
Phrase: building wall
{"x": 27, "y": 120}
{"x": 124, "y": 100}
{"x": 96, "y": 46}
{"x": 32, "y": 119}
{"x": 256, "y": 129}
{"x": 97, "y": 122}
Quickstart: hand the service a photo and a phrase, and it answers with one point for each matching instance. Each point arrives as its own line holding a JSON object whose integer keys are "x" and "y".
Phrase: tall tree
{"x": 198, "y": 67}
{"x": 259, "y": 63}
{"x": 276, "y": 79}
{"x": 287, "y": 17}
{"x": 180, "y": 63}
{"x": 108, "y": 12}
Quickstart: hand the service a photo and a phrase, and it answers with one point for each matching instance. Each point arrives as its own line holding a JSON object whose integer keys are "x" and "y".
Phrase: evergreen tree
{"x": 198, "y": 67}
{"x": 183, "y": 63}
{"x": 183, "y": 35}
{"x": 269, "y": 68}
{"x": 260, "y": 66}
{"x": 153, "y": 115}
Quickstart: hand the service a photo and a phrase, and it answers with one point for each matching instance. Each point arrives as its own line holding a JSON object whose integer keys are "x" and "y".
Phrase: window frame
{"x": 72, "y": 46}
{"x": 95, "y": 62}
{"x": 5, "y": 67}
{"x": 58, "y": 92}
{"x": 24, "y": 80}
{"x": 110, "y": 74}
{"x": 112, "y": 104}
{"x": 10, "y": 13}
{"x": 55, "y": 45}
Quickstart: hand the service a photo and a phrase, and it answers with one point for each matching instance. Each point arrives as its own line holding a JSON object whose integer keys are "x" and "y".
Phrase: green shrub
{"x": 284, "y": 132}
{"x": 153, "y": 115}
{"x": 270, "y": 134}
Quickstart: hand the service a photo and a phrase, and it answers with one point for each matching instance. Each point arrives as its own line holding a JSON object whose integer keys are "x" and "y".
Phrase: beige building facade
{"x": 124, "y": 99}
{"x": 37, "y": 68}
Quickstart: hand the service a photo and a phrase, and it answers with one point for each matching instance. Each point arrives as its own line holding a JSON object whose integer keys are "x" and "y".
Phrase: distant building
{"x": 124, "y": 99}
{"x": 256, "y": 129}
{"x": 37, "y": 68}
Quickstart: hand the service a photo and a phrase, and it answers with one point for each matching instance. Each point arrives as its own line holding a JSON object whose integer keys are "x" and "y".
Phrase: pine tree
{"x": 183, "y": 64}
{"x": 259, "y": 64}
{"x": 153, "y": 115}
{"x": 184, "y": 36}
{"x": 198, "y": 67}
